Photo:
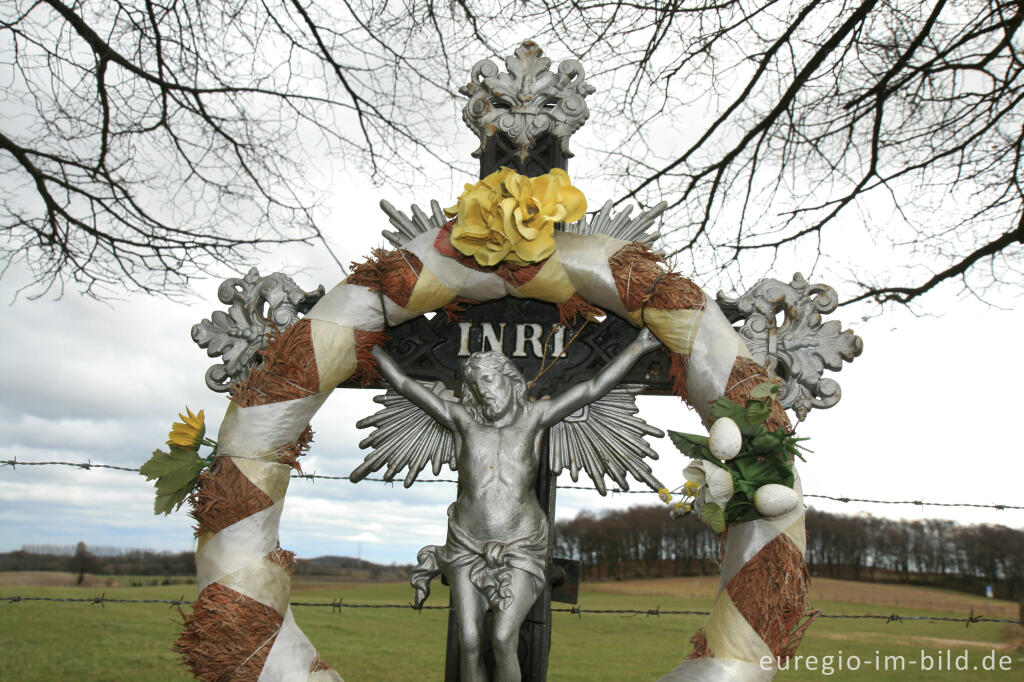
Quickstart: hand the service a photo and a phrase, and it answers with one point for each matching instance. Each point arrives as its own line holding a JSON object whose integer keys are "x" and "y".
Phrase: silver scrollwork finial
{"x": 802, "y": 347}
{"x": 257, "y": 307}
{"x": 527, "y": 101}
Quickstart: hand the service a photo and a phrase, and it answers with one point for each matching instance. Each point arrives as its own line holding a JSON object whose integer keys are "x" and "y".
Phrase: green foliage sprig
{"x": 177, "y": 472}
{"x": 764, "y": 457}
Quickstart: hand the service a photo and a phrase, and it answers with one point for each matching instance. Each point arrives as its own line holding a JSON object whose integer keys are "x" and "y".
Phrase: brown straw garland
{"x": 228, "y": 635}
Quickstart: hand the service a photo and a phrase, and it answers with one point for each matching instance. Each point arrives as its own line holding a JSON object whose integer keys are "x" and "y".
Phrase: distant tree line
{"x": 639, "y": 542}
{"x": 935, "y": 551}
{"x": 69, "y": 550}
{"x": 644, "y": 542}
{"x": 81, "y": 559}
{"x": 351, "y": 568}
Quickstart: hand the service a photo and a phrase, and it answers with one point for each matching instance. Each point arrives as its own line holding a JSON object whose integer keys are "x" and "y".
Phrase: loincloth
{"x": 490, "y": 564}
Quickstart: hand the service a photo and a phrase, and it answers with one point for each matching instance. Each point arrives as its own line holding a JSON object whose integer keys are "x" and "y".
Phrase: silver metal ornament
{"x": 257, "y": 307}
{"x": 802, "y": 347}
{"x": 528, "y": 101}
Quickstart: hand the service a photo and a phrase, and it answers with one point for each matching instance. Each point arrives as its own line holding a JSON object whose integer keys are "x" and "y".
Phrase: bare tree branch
{"x": 907, "y": 294}
{"x": 143, "y": 143}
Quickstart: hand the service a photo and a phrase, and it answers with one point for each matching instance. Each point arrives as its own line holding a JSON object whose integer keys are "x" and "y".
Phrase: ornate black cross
{"x": 524, "y": 119}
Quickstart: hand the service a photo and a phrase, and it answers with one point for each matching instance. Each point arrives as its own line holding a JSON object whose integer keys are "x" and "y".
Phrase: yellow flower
{"x": 665, "y": 495}
{"x": 510, "y": 217}
{"x": 679, "y": 510}
{"x": 691, "y": 488}
{"x": 190, "y": 431}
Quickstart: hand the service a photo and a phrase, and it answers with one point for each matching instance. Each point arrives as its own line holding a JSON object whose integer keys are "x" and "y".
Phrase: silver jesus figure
{"x": 495, "y": 553}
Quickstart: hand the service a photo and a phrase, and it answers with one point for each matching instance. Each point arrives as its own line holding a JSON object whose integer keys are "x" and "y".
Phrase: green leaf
{"x": 741, "y": 509}
{"x": 761, "y": 470}
{"x": 743, "y": 487}
{"x": 713, "y": 515}
{"x": 768, "y": 442}
{"x": 723, "y": 407}
{"x": 165, "y": 504}
{"x": 791, "y": 446}
{"x": 757, "y": 412}
{"x": 176, "y": 474}
{"x": 765, "y": 389}
{"x": 691, "y": 445}
{"x": 155, "y": 466}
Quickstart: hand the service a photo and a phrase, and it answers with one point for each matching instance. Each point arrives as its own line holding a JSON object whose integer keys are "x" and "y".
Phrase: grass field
{"x": 53, "y": 640}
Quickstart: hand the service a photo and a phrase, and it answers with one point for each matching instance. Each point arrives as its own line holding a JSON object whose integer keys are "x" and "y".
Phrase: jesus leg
{"x": 470, "y": 609}
{"x": 505, "y": 640}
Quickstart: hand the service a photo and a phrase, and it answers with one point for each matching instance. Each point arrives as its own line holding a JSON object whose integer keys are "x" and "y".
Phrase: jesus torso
{"x": 497, "y": 473}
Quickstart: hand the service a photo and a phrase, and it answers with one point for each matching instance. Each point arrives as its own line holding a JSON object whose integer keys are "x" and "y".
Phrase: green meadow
{"x": 56, "y": 640}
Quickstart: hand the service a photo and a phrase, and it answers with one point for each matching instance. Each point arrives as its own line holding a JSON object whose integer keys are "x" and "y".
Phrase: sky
{"x": 929, "y": 411}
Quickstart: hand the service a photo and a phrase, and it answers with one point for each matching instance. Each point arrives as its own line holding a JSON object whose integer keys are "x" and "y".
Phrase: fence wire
{"x": 313, "y": 477}
{"x": 339, "y": 604}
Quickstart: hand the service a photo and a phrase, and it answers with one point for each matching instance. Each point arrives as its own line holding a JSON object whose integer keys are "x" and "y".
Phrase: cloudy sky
{"x": 929, "y": 412}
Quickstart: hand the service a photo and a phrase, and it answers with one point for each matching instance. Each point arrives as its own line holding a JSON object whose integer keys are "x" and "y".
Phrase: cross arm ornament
{"x": 802, "y": 346}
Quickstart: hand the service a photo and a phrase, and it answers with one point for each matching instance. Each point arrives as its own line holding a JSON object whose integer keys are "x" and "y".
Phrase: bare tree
{"x": 772, "y": 127}
{"x": 143, "y": 141}
{"x": 81, "y": 562}
{"x": 902, "y": 117}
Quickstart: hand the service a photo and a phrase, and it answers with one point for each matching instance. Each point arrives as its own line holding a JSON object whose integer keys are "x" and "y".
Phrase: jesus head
{"x": 493, "y": 386}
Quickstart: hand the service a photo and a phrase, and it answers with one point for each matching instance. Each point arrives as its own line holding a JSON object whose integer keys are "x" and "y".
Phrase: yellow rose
{"x": 510, "y": 217}
{"x": 494, "y": 182}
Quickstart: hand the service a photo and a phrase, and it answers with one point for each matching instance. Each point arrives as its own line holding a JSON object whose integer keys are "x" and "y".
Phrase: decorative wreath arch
{"x": 241, "y": 625}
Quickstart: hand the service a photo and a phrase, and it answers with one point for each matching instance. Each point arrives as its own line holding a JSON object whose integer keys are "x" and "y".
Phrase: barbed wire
{"x": 915, "y": 502}
{"x": 313, "y": 477}
{"x": 101, "y": 600}
{"x": 14, "y": 463}
{"x": 338, "y": 604}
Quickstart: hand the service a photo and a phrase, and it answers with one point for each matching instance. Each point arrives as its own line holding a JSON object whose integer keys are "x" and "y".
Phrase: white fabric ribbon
{"x": 240, "y": 544}
{"x": 395, "y": 314}
{"x": 719, "y": 670}
{"x": 585, "y": 260}
{"x": 715, "y": 348}
{"x": 263, "y": 428}
{"x": 262, "y": 580}
{"x": 467, "y": 282}
{"x": 350, "y": 305}
{"x": 291, "y": 656}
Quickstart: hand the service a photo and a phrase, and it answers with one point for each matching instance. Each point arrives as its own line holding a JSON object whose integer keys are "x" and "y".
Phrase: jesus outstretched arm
{"x": 561, "y": 406}
{"x": 415, "y": 392}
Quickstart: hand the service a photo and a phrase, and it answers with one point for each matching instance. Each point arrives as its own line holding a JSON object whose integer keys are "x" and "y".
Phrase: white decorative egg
{"x": 773, "y": 499}
{"x": 725, "y": 439}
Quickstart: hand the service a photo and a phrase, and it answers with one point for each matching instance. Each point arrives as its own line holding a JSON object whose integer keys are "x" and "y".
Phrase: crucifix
{"x": 496, "y": 553}
{"x": 497, "y": 557}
